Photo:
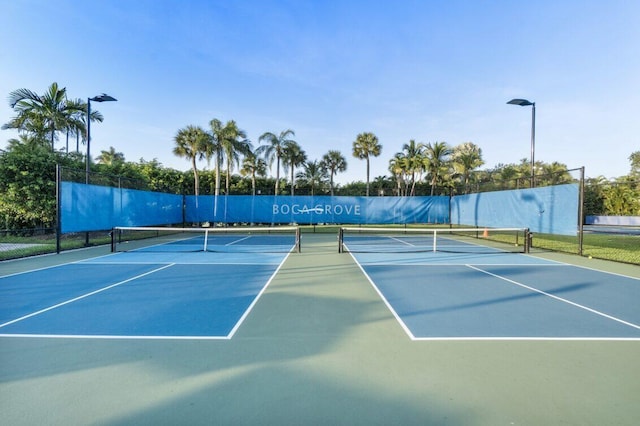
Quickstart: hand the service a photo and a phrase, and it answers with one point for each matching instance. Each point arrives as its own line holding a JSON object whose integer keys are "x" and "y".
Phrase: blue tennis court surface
{"x": 150, "y": 295}
{"x": 511, "y": 296}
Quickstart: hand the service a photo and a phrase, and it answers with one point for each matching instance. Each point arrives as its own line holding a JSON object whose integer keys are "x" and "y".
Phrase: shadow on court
{"x": 494, "y": 301}
{"x": 320, "y": 347}
{"x": 299, "y": 357}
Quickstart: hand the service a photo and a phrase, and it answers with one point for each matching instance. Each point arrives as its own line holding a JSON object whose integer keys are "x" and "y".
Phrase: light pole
{"x": 524, "y": 102}
{"x": 100, "y": 98}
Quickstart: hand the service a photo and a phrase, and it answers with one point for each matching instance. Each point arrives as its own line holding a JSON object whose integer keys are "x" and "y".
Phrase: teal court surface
{"x": 510, "y": 296}
{"x": 318, "y": 337}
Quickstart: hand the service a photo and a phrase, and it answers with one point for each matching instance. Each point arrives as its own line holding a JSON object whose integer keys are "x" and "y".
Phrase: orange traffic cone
{"x": 485, "y": 234}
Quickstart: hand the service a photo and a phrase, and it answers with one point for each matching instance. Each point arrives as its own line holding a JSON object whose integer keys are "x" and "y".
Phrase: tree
{"x": 77, "y": 122}
{"x": 382, "y": 182}
{"x": 293, "y": 156}
{"x": 622, "y": 198}
{"x": 274, "y": 149}
{"x": 365, "y": 146}
{"x": 554, "y": 174}
{"x": 234, "y": 143}
{"x": 28, "y": 182}
{"x": 507, "y": 175}
{"x": 253, "y": 166}
{"x": 466, "y": 157}
{"x": 214, "y": 148}
{"x": 435, "y": 161}
{"x": 414, "y": 154}
{"x": 110, "y": 157}
{"x": 190, "y": 144}
{"x": 399, "y": 168}
{"x": 334, "y": 162}
{"x": 634, "y": 159}
{"x": 47, "y": 114}
{"x": 313, "y": 175}
{"x": 159, "y": 178}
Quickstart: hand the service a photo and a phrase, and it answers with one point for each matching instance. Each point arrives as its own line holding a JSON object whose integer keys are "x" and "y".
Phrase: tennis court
{"x": 229, "y": 336}
{"x": 455, "y": 287}
{"x": 164, "y": 285}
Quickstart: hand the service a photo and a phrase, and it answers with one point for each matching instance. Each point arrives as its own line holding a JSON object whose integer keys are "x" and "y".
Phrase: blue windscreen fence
{"x": 547, "y": 210}
{"x": 96, "y": 208}
{"x": 316, "y": 209}
{"x": 552, "y": 209}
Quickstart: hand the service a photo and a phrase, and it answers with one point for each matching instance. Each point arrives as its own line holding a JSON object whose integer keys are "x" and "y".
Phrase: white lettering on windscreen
{"x": 332, "y": 209}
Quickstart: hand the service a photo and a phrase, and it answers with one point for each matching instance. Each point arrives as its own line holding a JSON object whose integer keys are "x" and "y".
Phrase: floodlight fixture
{"x": 524, "y": 102}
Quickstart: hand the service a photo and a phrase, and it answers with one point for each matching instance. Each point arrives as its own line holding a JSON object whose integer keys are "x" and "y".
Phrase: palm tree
{"x": 634, "y": 159}
{"x": 49, "y": 113}
{"x": 190, "y": 144}
{"x": 508, "y": 175}
{"x": 293, "y": 156}
{"x": 27, "y": 140}
{"x": 110, "y": 157}
{"x": 380, "y": 182}
{"x": 214, "y": 148}
{"x": 234, "y": 143}
{"x": 555, "y": 174}
{"x": 400, "y": 168}
{"x": 253, "y": 166}
{"x": 275, "y": 149}
{"x": 365, "y": 146}
{"x": 466, "y": 157}
{"x": 414, "y": 154}
{"x": 334, "y": 162}
{"x": 313, "y": 175}
{"x": 435, "y": 158}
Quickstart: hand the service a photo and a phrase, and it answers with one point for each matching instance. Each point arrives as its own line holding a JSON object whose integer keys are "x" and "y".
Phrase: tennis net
{"x": 451, "y": 240}
{"x": 277, "y": 239}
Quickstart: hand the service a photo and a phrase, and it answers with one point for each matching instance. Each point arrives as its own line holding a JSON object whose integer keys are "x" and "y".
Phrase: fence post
{"x": 581, "y": 213}
{"x": 58, "y": 206}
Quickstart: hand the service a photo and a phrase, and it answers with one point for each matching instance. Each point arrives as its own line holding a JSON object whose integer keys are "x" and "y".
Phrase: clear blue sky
{"x": 330, "y": 69}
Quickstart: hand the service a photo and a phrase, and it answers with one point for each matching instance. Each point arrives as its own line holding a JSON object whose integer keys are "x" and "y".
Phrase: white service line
{"x": 557, "y": 298}
{"x": 255, "y": 300}
{"x": 84, "y": 296}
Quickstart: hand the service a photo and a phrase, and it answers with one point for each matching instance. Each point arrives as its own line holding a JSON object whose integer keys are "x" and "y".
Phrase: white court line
{"x": 404, "y": 242}
{"x": 83, "y": 296}
{"x": 557, "y": 298}
{"x": 501, "y": 338}
{"x": 255, "y": 300}
{"x": 177, "y": 263}
{"x": 435, "y": 263}
{"x": 581, "y": 266}
{"x": 133, "y": 337}
{"x": 44, "y": 268}
{"x": 115, "y": 337}
{"x": 74, "y": 262}
{"x": 238, "y": 240}
{"x": 384, "y": 299}
{"x": 518, "y": 338}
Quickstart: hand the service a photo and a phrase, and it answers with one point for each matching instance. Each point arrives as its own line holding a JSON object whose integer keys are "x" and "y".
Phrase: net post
{"x": 435, "y": 238}
{"x": 340, "y": 239}
{"x": 298, "y": 242}
{"x": 528, "y": 236}
{"x": 113, "y": 240}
